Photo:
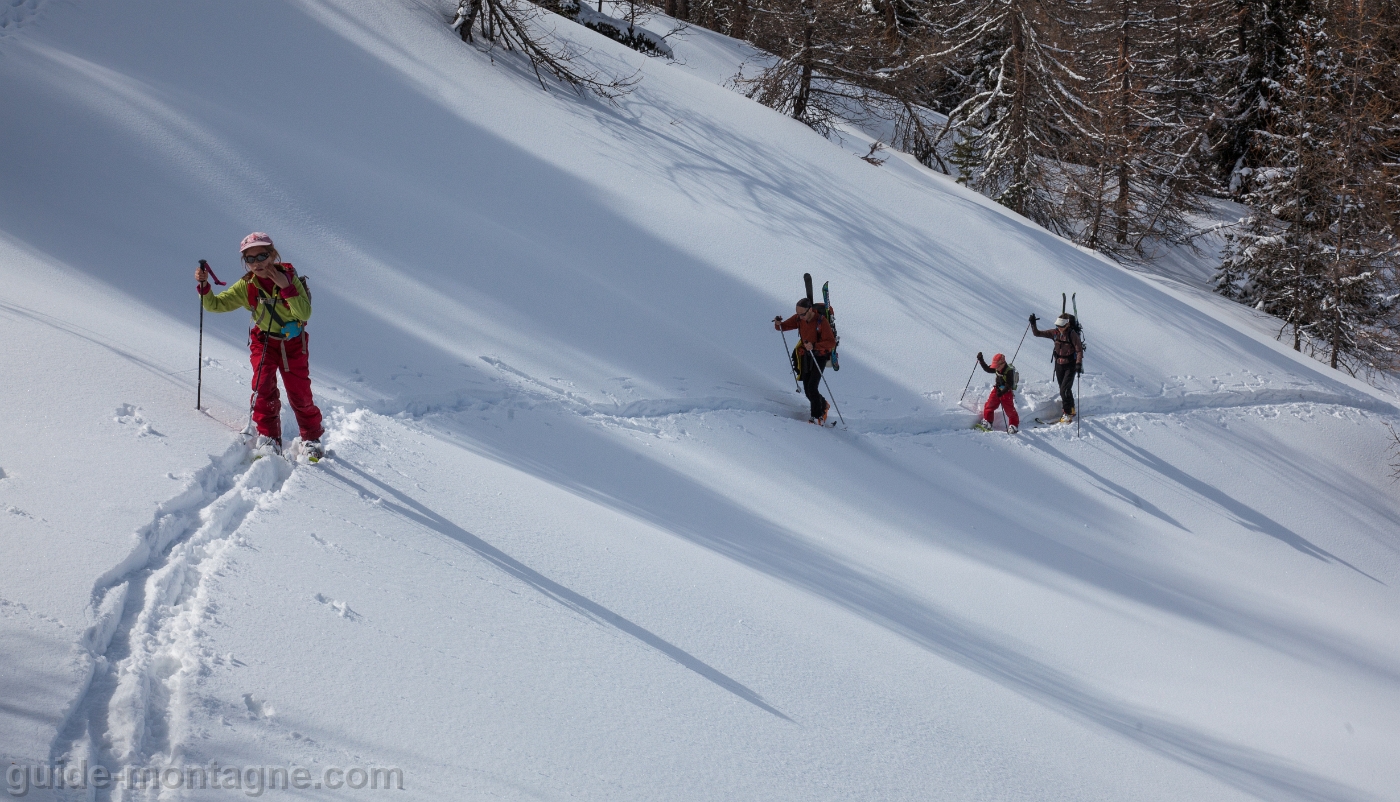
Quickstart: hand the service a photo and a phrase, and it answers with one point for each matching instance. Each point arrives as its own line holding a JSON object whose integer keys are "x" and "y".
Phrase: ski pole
{"x": 969, "y": 383}
{"x": 821, "y": 374}
{"x": 199, "y": 381}
{"x": 788, "y": 355}
{"x": 1078, "y": 399}
{"x": 257, "y": 386}
{"x": 1018, "y": 345}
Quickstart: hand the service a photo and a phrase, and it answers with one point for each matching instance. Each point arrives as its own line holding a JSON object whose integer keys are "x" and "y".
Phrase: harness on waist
{"x": 288, "y": 329}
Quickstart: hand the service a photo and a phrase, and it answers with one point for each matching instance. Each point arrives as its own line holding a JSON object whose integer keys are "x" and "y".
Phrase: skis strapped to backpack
{"x": 1074, "y": 319}
{"x": 824, "y": 309}
{"x": 830, "y": 321}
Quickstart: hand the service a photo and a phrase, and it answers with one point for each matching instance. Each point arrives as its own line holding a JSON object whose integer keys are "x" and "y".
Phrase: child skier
{"x": 1003, "y": 394}
{"x": 813, "y": 352}
{"x": 1069, "y": 358}
{"x": 281, "y": 304}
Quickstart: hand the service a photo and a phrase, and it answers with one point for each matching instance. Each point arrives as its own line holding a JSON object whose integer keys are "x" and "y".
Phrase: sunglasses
{"x": 262, "y": 257}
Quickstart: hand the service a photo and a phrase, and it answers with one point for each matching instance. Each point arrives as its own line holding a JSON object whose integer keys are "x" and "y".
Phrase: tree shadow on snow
{"x": 1243, "y": 514}
{"x": 608, "y": 474}
{"x": 416, "y": 512}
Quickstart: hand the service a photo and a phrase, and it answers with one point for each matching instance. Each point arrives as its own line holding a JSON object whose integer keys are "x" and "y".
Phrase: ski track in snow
{"x": 142, "y": 647}
{"x": 528, "y": 392}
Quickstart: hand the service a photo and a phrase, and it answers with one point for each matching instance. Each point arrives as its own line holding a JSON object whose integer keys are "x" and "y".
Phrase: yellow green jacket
{"x": 292, "y": 302}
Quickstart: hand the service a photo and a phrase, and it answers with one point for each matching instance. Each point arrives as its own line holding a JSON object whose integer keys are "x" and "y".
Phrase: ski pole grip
{"x": 205, "y": 264}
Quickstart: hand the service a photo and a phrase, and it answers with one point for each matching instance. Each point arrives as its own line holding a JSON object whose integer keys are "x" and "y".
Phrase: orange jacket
{"x": 817, "y": 332}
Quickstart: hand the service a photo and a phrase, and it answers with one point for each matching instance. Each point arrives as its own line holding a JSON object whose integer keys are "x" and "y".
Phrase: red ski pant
{"x": 1005, "y": 400}
{"x": 289, "y": 357}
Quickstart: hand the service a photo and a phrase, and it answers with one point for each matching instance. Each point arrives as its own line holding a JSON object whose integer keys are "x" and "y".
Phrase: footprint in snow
{"x": 258, "y": 709}
{"x": 341, "y": 608}
{"x": 130, "y": 415}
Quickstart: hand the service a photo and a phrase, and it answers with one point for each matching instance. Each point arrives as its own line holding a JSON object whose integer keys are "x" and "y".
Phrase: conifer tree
{"x": 1319, "y": 249}
{"x": 1139, "y": 164}
{"x": 1024, "y": 121}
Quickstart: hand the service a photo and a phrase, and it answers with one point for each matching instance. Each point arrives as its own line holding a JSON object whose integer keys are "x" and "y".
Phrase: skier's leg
{"x": 811, "y": 384}
{"x": 822, "y": 363}
{"x": 1064, "y": 375}
{"x": 297, "y": 380}
{"x": 990, "y": 408}
{"x": 1008, "y": 404}
{"x": 267, "y": 407}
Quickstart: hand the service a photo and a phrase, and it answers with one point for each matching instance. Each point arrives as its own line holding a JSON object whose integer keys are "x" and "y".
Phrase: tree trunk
{"x": 1122, "y": 123}
{"x": 739, "y": 28}
{"x": 804, "y": 59}
{"x": 1018, "y": 130}
{"x": 891, "y": 24}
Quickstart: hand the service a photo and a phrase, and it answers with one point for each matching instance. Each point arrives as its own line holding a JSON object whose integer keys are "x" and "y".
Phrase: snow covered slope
{"x": 576, "y": 540}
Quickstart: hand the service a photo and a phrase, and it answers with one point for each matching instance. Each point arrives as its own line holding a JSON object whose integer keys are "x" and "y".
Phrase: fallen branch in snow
{"x": 625, "y": 32}
{"x": 875, "y": 147}
{"x": 517, "y": 25}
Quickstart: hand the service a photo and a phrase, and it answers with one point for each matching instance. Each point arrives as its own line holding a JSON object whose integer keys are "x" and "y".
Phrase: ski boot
{"x": 1011, "y": 428}
{"x": 983, "y": 426}
{"x": 264, "y": 446}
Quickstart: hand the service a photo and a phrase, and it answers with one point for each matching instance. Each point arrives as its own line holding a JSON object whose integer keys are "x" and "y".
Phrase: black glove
{"x": 1033, "y": 319}
{"x": 979, "y": 356}
{"x": 1079, "y": 368}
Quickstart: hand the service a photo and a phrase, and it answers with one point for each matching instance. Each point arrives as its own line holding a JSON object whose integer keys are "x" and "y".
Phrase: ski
{"x": 831, "y": 321}
{"x": 807, "y": 280}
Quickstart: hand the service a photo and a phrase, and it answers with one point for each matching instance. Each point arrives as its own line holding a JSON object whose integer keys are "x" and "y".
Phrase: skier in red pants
{"x": 1003, "y": 394}
{"x": 281, "y": 304}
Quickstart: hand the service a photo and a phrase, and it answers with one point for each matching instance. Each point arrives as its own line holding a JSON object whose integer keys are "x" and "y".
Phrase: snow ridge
{"x": 148, "y": 611}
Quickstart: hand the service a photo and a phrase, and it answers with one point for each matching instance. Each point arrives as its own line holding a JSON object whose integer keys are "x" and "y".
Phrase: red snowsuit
{"x": 274, "y": 348}
{"x": 1004, "y": 399}
{"x": 290, "y": 358}
{"x": 1001, "y": 396}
